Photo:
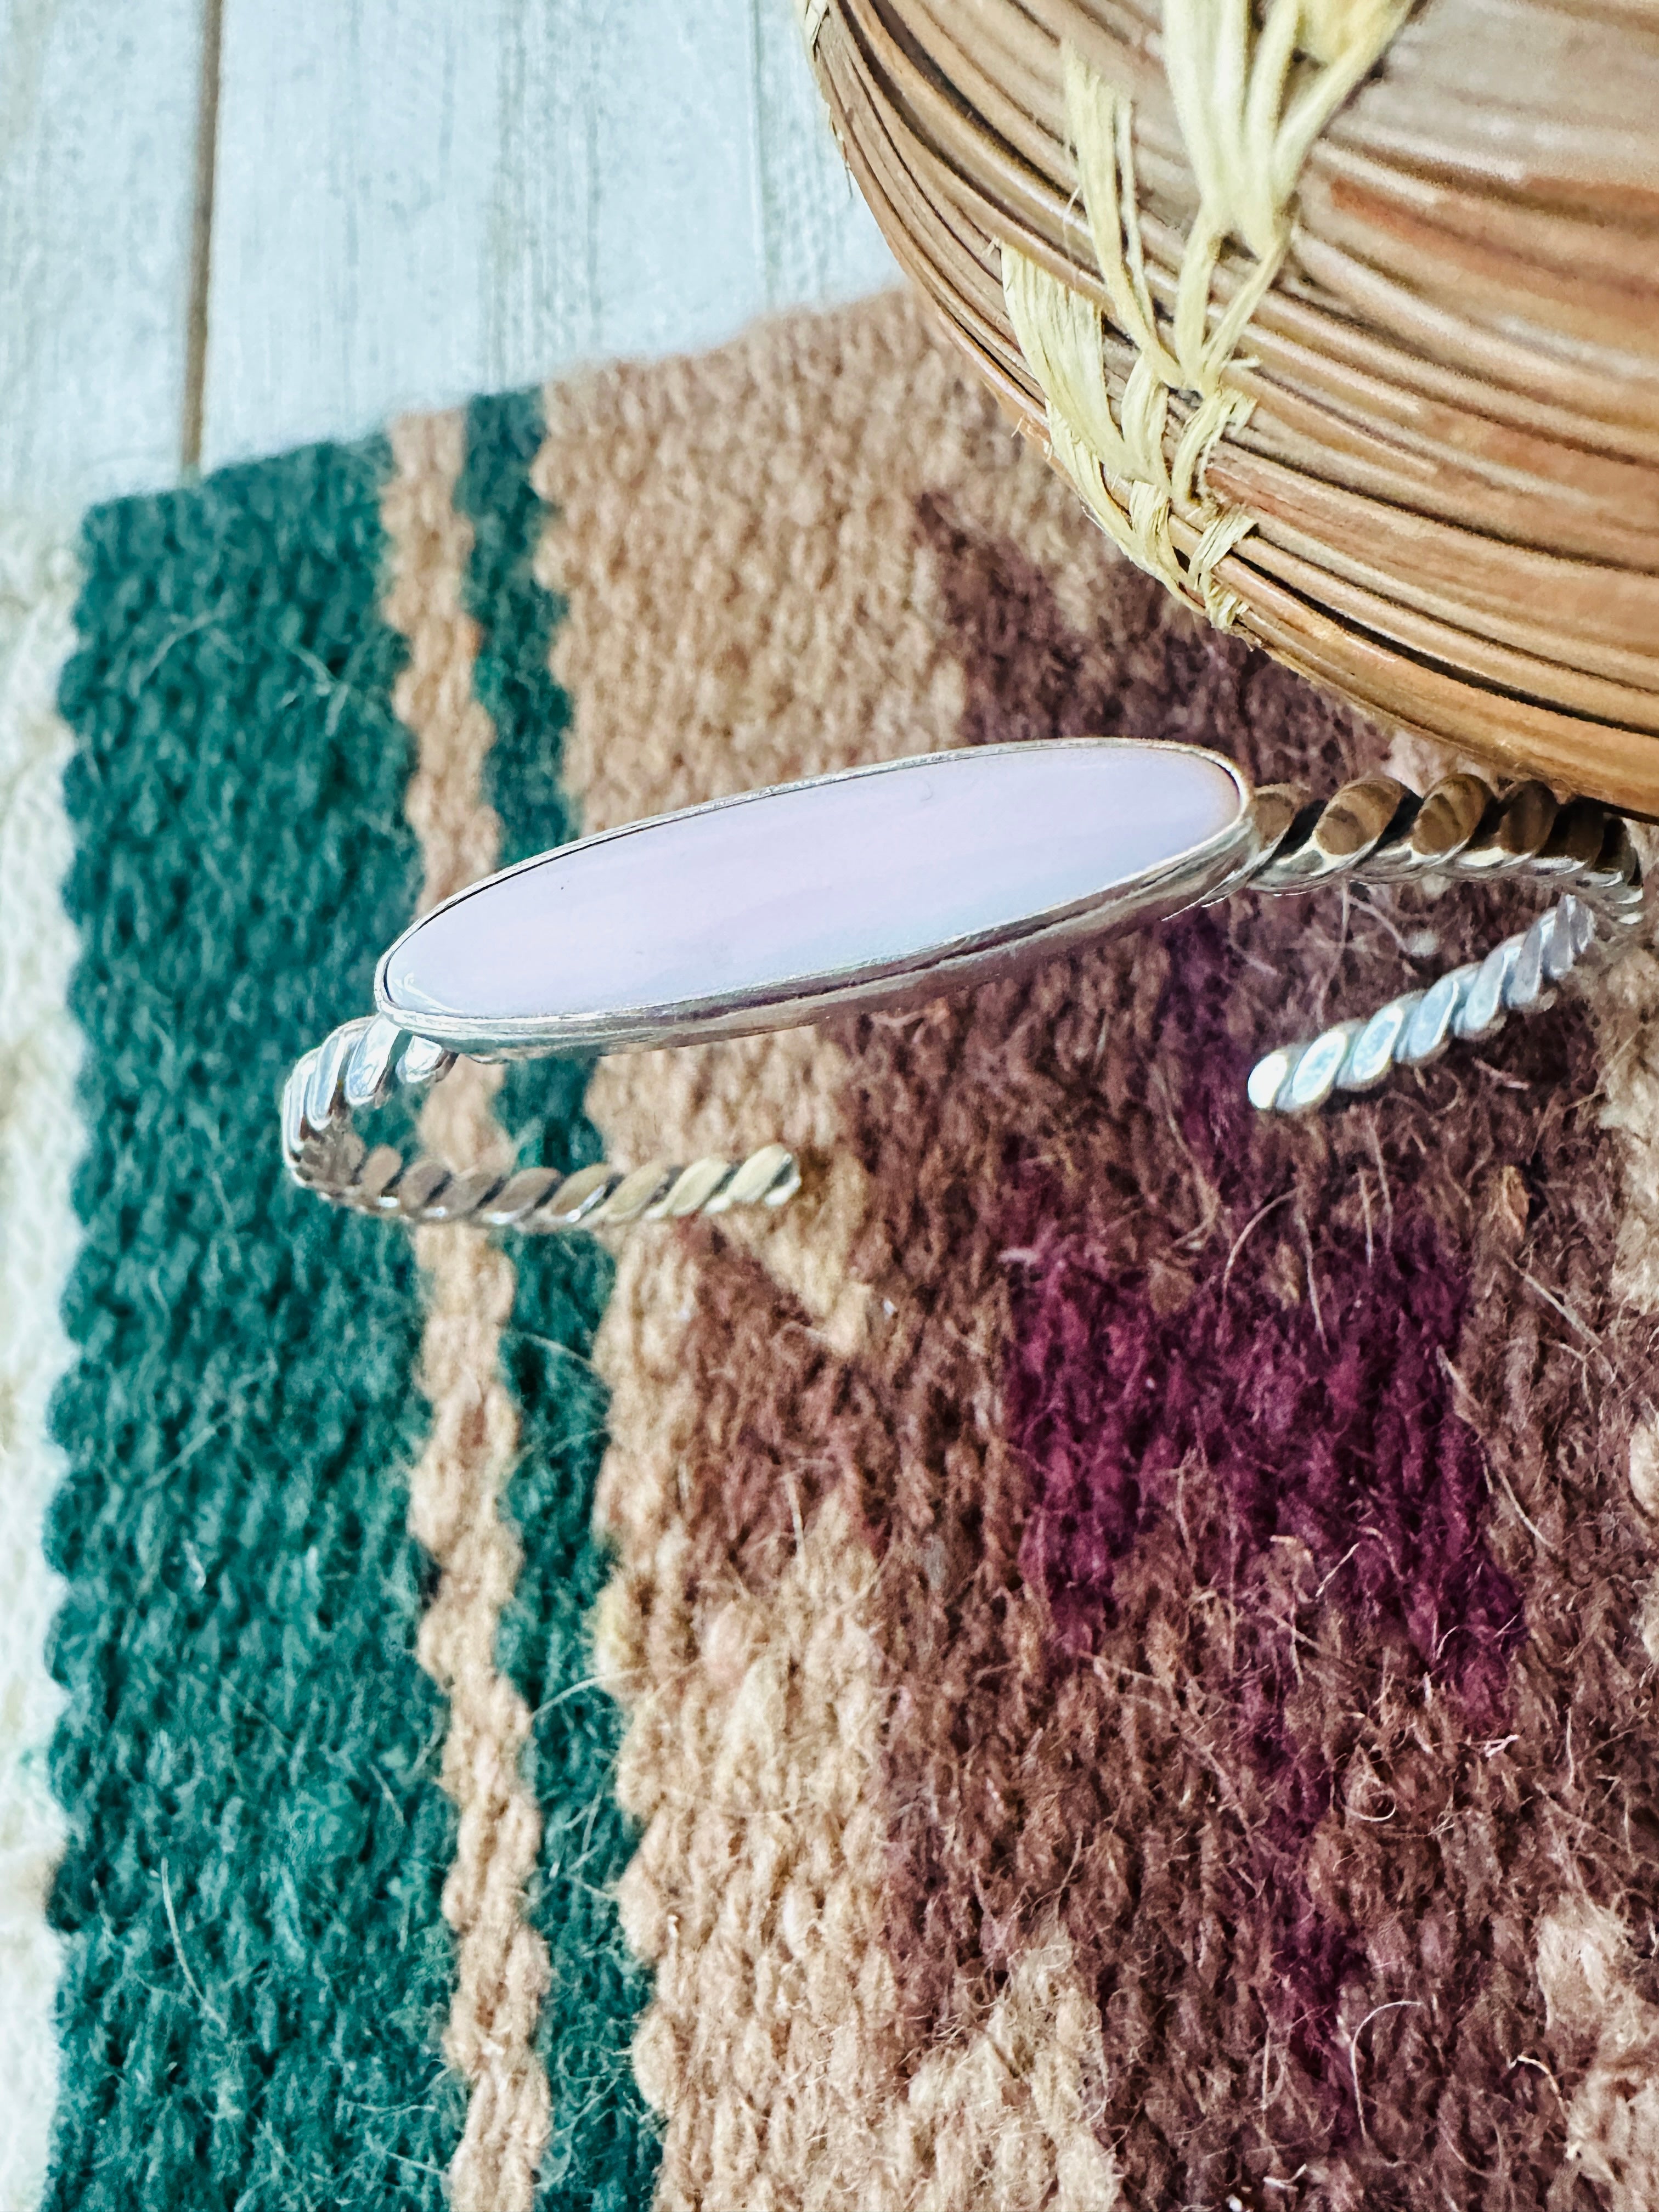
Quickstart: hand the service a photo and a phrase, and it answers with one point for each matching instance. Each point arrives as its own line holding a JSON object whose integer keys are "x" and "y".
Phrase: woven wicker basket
{"x": 1344, "y": 320}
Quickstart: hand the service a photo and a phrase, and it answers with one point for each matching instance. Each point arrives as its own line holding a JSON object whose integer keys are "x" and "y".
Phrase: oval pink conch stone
{"x": 788, "y": 891}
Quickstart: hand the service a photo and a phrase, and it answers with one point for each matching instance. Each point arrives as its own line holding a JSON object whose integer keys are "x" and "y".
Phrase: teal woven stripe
{"x": 604, "y": 2152}
{"x": 542, "y": 1103}
{"x": 259, "y": 1969}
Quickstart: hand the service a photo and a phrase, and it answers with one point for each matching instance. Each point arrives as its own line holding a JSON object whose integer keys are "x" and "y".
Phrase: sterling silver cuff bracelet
{"x": 887, "y": 885}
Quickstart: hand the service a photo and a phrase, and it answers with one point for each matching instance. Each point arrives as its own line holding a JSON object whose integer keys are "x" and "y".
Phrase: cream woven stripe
{"x": 454, "y": 1494}
{"x": 41, "y": 1139}
{"x": 1250, "y": 104}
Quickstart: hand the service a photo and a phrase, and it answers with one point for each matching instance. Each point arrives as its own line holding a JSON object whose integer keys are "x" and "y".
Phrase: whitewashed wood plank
{"x": 820, "y": 241}
{"x": 415, "y": 202}
{"x": 677, "y": 176}
{"x": 633, "y": 143}
{"x": 354, "y": 147}
{"x": 98, "y": 103}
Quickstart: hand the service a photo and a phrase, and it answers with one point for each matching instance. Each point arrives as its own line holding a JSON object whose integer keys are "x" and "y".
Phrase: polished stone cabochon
{"x": 786, "y": 892}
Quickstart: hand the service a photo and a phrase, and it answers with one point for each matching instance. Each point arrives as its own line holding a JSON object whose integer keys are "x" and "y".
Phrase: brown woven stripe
{"x": 1267, "y": 1647}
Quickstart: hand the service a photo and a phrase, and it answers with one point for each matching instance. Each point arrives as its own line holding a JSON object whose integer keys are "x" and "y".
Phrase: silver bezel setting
{"x": 1190, "y": 878}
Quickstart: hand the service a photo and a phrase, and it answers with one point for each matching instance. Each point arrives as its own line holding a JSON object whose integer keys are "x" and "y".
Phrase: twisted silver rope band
{"x": 1375, "y": 830}
{"x": 358, "y": 1067}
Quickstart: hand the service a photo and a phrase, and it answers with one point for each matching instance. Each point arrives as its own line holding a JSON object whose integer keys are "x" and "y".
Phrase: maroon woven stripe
{"x": 1210, "y": 1623}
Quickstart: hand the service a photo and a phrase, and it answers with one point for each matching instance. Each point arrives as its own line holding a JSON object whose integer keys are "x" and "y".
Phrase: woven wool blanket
{"x": 1105, "y": 1656}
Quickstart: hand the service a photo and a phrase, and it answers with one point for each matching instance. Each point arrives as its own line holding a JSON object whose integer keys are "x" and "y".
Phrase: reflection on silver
{"x": 1376, "y": 830}
{"x": 1276, "y": 840}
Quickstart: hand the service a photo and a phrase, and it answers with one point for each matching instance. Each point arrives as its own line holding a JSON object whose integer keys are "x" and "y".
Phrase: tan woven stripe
{"x": 1627, "y": 1008}
{"x": 735, "y": 545}
{"x": 455, "y": 1492}
{"x": 1590, "y": 1975}
{"x": 752, "y": 1752}
{"x": 1586, "y": 1966}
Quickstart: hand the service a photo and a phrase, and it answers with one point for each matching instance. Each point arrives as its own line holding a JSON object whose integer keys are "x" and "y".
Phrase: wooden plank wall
{"x": 412, "y": 200}
{"x": 98, "y": 101}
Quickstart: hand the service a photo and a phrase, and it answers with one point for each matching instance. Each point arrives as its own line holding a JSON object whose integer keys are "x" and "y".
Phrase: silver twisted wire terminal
{"x": 885, "y": 884}
{"x": 359, "y": 1066}
{"x": 1376, "y": 830}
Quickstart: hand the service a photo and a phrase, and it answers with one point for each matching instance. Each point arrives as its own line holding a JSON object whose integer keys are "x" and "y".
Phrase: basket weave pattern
{"x": 1347, "y": 326}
